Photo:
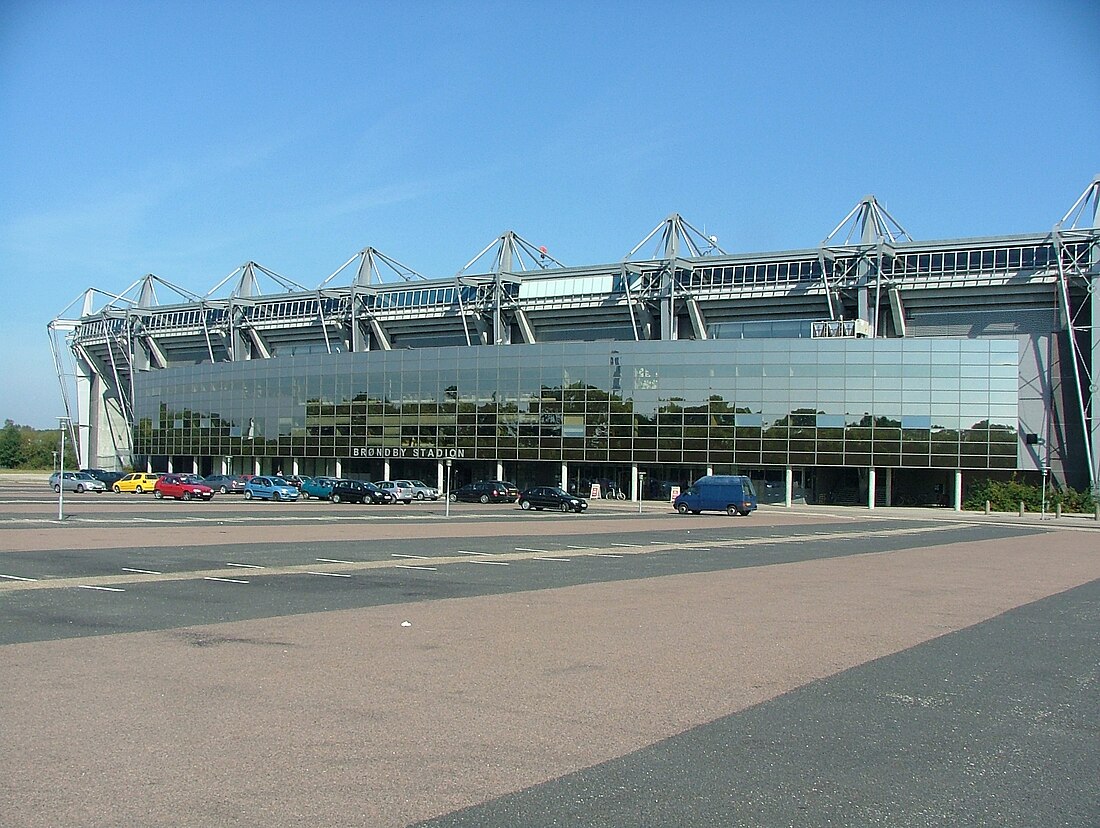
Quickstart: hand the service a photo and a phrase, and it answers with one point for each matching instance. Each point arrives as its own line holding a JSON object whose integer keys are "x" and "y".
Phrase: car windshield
{"x": 190, "y": 478}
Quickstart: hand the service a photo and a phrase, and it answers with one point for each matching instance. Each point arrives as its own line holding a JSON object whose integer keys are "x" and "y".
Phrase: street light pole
{"x": 61, "y": 421}
{"x": 447, "y": 494}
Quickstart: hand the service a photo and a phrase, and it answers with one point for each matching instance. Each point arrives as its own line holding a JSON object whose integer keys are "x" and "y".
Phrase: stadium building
{"x": 871, "y": 369}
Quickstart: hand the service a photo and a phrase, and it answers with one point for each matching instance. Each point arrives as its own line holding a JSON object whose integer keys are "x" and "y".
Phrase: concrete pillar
{"x": 635, "y": 493}
{"x": 194, "y": 465}
{"x": 958, "y": 490}
{"x": 386, "y": 469}
{"x": 225, "y": 465}
{"x": 889, "y": 487}
{"x": 500, "y": 470}
{"x": 170, "y": 469}
{"x": 565, "y": 476}
{"x": 294, "y": 465}
{"x": 788, "y": 497}
{"x": 256, "y": 466}
{"x": 149, "y": 465}
{"x": 710, "y": 469}
{"x": 439, "y": 475}
{"x": 871, "y": 487}
{"x": 339, "y": 468}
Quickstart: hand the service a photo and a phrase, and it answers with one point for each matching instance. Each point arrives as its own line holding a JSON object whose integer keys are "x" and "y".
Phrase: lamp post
{"x": 62, "y": 422}
{"x": 447, "y": 493}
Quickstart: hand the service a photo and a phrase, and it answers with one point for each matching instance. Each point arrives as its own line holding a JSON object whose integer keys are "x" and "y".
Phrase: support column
{"x": 871, "y": 487}
{"x": 439, "y": 476}
{"x": 256, "y": 466}
{"x": 788, "y": 497}
{"x": 170, "y": 469}
{"x": 225, "y": 465}
{"x": 635, "y": 494}
{"x": 890, "y": 487}
{"x": 339, "y": 468}
{"x": 386, "y": 469}
{"x": 294, "y": 466}
{"x": 149, "y": 464}
{"x": 195, "y": 465}
{"x": 958, "y": 490}
{"x": 500, "y": 470}
{"x": 710, "y": 469}
{"x": 565, "y": 476}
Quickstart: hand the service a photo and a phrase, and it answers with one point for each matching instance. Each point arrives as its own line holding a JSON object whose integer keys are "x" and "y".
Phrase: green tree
{"x": 11, "y": 446}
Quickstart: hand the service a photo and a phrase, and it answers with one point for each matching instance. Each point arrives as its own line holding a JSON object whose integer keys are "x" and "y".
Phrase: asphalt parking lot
{"x": 308, "y": 664}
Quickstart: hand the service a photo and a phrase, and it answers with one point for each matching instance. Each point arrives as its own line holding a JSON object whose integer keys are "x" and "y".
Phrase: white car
{"x": 407, "y": 491}
{"x": 77, "y": 481}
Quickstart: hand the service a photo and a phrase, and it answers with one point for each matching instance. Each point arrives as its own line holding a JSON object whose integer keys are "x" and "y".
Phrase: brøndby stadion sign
{"x": 411, "y": 453}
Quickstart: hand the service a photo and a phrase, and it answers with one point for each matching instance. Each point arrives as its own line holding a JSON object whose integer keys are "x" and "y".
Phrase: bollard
{"x": 987, "y": 508}
{"x": 1021, "y": 508}
{"x": 1057, "y": 510}
{"x": 1096, "y": 514}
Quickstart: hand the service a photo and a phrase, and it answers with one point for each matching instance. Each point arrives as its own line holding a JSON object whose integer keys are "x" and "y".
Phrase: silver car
{"x": 77, "y": 481}
{"x": 409, "y": 490}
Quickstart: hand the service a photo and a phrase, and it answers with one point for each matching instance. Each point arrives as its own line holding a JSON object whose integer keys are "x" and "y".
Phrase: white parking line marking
{"x": 607, "y": 555}
{"x": 245, "y": 566}
{"x": 334, "y": 560}
{"x": 105, "y": 589}
{"x": 566, "y": 560}
{"x": 657, "y": 543}
{"x": 526, "y": 549}
{"x": 627, "y": 545}
{"x": 142, "y": 571}
{"x": 330, "y": 574}
{"x": 413, "y": 566}
{"x": 464, "y": 552}
{"x": 17, "y": 578}
{"x": 400, "y": 555}
{"x": 570, "y": 546}
{"x": 491, "y": 563}
{"x": 223, "y": 580}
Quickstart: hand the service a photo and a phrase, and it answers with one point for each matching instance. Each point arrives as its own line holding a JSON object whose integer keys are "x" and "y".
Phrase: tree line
{"x": 23, "y": 447}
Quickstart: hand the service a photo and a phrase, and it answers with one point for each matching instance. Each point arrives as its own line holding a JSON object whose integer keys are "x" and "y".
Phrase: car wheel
{"x": 247, "y": 494}
{"x": 304, "y": 494}
{"x": 419, "y": 495}
{"x": 138, "y": 490}
{"x": 57, "y": 488}
{"x": 564, "y": 507}
{"x": 116, "y": 489}
{"x": 187, "y": 495}
{"x": 454, "y": 498}
{"x": 335, "y": 498}
{"x": 525, "y": 504}
{"x": 743, "y": 512}
{"x": 158, "y": 494}
{"x": 731, "y": 511}
{"x": 485, "y": 498}
{"x": 223, "y": 490}
{"x": 682, "y": 509}
{"x": 80, "y": 488}
{"x": 276, "y": 496}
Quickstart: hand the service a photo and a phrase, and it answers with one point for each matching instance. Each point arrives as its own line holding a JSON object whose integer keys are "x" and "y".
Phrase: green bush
{"x": 1005, "y": 496}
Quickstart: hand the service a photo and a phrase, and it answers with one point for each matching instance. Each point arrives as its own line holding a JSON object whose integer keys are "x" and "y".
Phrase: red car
{"x": 182, "y": 487}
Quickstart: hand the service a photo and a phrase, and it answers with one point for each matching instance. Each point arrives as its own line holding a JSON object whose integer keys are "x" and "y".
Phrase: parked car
{"x": 420, "y": 489}
{"x": 225, "y": 483}
{"x": 182, "y": 487}
{"x": 400, "y": 489}
{"x": 136, "y": 483}
{"x": 109, "y": 478}
{"x": 487, "y": 491}
{"x": 295, "y": 480}
{"x": 320, "y": 487}
{"x": 359, "y": 491}
{"x": 76, "y": 481}
{"x": 551, "y": 497}
{"x": 269, "y": 488}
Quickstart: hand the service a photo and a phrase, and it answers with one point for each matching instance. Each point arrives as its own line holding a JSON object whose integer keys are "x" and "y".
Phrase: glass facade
{"x": 920, "y": 403}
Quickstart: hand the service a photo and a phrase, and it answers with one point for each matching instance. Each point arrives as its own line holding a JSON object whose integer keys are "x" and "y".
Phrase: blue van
{"x": 730, "y": 493}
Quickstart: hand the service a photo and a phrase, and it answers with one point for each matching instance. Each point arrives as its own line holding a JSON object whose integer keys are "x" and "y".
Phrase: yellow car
{"x": 136, "y": 483}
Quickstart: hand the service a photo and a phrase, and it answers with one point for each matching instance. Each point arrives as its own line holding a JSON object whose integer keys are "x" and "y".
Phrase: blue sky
{"x": 184, "y": 139}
